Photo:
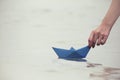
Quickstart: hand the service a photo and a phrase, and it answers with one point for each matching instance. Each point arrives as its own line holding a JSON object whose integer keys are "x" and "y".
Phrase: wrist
{"x": 106, "y": 24}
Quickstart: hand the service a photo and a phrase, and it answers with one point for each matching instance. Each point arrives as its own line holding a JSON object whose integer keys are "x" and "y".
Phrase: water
{"x": 30, "y": 28}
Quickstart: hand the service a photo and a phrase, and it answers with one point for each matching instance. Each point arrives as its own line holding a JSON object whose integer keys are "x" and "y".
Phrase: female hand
{"x": 99, "y": 35}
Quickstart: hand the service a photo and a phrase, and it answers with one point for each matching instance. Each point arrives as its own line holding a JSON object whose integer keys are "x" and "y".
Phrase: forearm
{"x": 101, "y": 33}
{"x": 112, "y": 14}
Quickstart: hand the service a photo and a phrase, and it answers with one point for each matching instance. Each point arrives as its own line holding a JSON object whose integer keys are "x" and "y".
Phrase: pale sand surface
{"x": 30, "y": 28}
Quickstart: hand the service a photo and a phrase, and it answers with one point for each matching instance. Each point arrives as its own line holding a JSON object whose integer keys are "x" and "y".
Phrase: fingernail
{"x": 98, "y": 44}
{"x": 93, "y": 46}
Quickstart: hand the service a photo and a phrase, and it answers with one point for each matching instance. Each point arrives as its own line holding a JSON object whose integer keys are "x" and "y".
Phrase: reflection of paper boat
{"x": 72, "y": 53}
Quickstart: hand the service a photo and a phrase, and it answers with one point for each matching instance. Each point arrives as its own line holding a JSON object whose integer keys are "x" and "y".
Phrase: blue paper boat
{"x": 72, "y": 53}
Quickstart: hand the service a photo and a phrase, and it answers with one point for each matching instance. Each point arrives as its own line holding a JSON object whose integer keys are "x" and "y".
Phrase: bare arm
{"x": 101, "y": 33}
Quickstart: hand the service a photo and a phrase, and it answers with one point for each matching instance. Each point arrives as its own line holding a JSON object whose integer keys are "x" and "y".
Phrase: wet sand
{"x": 30, "y": 28}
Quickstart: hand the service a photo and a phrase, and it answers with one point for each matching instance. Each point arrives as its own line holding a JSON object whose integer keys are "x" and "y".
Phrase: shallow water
{"x": 30, "y": 28}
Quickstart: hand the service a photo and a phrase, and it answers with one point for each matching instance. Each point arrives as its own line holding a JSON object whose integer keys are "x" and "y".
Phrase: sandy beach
{"x": 30, "y": 28}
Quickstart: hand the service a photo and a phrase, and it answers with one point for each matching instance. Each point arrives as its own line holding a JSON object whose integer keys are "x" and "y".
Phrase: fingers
{"x": 90, "y": 42}
{"x": 93, "y": 38}
{"x": 104, "y": 39}
{"x": 100, "y": 40}
{"x": 97, "y": 38}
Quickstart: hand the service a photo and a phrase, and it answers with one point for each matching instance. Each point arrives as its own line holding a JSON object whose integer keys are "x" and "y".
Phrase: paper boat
{"x": 72, "y": 53}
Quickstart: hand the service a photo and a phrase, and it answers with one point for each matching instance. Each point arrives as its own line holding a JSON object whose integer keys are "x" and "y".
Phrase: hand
{"x": 99, "y": 36}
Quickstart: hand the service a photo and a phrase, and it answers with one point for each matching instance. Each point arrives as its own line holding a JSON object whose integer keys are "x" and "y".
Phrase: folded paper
{"x": 72, "y": 53}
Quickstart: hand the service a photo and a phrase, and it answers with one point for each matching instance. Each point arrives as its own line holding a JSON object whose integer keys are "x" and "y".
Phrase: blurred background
{"x": 30, "y": 28}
